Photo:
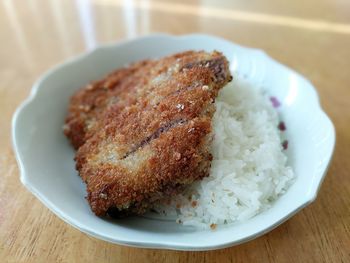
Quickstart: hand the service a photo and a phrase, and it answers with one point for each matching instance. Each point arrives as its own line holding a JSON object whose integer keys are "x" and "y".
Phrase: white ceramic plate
{"x": 46, "y": 158}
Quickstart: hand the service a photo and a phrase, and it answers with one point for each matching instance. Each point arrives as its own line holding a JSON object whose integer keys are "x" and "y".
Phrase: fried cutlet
{"x": 123, "y": 88}
{"x": 148, "y": 140}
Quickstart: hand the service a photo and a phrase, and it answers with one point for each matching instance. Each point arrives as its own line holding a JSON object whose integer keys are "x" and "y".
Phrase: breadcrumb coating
{"x": 144, "y": 131}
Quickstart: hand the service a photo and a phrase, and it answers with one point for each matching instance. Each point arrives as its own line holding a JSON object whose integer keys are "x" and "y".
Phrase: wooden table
{"x": 312, "y": 37}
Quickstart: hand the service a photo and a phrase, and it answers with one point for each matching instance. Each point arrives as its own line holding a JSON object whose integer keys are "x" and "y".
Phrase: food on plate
{"x": 176, "y": 137}
{"x": 148, "y": 134}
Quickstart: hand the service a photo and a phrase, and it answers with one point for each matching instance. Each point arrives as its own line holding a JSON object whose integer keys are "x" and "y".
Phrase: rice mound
{"x": 249, "y": 168}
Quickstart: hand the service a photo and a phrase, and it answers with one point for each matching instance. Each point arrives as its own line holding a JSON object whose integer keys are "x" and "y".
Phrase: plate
{"x": 45, "y": 156}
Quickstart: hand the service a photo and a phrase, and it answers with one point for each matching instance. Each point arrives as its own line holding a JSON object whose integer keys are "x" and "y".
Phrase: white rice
{"x": 249, "y": 168}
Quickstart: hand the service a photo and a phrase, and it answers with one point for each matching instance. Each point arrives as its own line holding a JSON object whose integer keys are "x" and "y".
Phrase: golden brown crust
{"x": 88, "y": 104}
{"x": 172, "y": 161}
{"x": 148, "y": 146}
{"x": 125, "y": 86}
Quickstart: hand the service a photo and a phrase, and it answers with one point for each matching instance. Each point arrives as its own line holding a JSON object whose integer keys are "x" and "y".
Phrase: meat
{"x": 144, "y": 131}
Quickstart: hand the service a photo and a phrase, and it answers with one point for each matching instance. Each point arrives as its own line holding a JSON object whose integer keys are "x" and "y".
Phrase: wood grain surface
{"x": 313, "y": 37}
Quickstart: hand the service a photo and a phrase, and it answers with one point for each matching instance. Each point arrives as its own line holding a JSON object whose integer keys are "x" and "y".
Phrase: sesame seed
{"x": 103, "y": 195}
{"x": 177, "y": 156}
{"x": 85, "y": 108}
{"x": 180, "y": 106}
{"x": 66, "y": 127}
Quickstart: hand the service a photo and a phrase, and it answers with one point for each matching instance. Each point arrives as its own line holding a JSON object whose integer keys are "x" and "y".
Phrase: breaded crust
{"x": 124, "y": 87}
{"x": 147, "y": 147}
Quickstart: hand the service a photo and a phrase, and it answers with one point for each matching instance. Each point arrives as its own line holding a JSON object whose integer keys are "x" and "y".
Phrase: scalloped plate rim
{"x": 85, "y": 55}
